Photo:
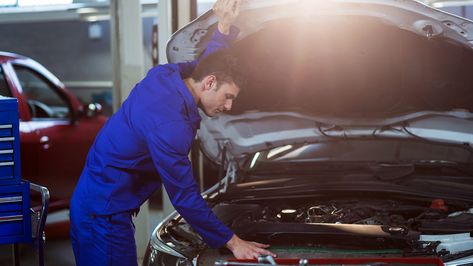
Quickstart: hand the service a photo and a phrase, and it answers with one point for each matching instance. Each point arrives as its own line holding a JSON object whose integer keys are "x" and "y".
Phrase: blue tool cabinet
{"x": 15, "y": 215}
{"x": 9, "y": 142}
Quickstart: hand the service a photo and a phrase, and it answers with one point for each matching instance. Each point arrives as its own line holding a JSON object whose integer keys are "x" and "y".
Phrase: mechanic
{"x": 146, "y": 143}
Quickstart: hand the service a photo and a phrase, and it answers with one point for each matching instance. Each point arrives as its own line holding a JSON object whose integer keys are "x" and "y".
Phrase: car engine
{"x": 363, "y": 227}
{"x": 429, "y": 217}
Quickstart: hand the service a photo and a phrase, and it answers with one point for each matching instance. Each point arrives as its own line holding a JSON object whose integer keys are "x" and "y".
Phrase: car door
{"x": 63, "y": 142}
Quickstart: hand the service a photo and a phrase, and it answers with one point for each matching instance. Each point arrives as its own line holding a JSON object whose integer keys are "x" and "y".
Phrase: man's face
{"x": 218, "y": 98}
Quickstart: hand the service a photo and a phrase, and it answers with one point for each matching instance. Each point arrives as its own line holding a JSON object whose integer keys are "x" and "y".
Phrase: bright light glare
{"x": 288, "y": 211}
{"x": 7, "y": 2}
{"x": 450, "y": 3}
{"x": 253, "y": 162}
{"x": 43, "y": 2}
{"x": 278, "y": 150}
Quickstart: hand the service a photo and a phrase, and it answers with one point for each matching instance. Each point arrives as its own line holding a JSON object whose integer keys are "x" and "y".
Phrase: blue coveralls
{"x": 143, "y": 145}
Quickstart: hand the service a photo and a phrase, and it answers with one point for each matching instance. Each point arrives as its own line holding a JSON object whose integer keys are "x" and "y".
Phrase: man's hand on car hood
{"x": 226, "y": 11}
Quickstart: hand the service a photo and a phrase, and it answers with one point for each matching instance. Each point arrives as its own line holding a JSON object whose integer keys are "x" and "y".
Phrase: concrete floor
{"x": 58, "y": 252}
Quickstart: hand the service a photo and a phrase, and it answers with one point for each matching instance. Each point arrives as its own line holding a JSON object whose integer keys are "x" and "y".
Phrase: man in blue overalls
{"x": 146, "y": 143}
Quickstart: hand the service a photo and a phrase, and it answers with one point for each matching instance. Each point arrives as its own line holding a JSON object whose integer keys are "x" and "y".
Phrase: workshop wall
{"x": 77, "y": 52}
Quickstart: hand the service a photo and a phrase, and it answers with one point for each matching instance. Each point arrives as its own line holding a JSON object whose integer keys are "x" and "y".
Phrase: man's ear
{"x": 209, "y": 82}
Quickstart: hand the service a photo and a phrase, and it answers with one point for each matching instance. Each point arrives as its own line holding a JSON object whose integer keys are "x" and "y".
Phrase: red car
{"x": 56, "y": 130}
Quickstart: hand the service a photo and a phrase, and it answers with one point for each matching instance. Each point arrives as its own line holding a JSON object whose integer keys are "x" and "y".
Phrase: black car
{"x": 352, "y": 143}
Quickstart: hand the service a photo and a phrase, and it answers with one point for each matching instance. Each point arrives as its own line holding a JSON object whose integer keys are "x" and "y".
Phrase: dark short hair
{"x": 224, "y": 65}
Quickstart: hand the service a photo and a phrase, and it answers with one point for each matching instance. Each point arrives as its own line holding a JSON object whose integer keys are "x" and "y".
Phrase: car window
{"x": 44, "y": 102}
{"x": 4, "y": 89}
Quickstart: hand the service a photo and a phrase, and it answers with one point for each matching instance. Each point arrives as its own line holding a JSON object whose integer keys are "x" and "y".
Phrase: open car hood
{"x": 412, "y": 16}
{"x": 356, "y": 64}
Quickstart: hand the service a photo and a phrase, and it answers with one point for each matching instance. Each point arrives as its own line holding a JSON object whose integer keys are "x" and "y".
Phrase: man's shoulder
{"x": 151, "y": 104}
{"x": 159, "y": 84}
{"x": 164, "y": 69}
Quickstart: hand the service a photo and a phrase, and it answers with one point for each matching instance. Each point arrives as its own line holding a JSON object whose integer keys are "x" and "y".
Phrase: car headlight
{"x": 154, "y": 257}
{"x": 161, "y": 253}
{"x": 168, "y": 248}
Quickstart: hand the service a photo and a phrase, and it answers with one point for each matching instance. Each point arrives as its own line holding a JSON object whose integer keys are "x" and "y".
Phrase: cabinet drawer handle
{"x": 11, "y": 218}
{"x": 11, "y": 199}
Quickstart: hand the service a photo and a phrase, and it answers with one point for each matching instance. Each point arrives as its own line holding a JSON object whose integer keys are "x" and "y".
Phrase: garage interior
{"x": 100, "y": 49}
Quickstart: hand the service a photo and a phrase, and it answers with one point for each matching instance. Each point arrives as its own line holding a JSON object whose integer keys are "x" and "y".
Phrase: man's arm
{"x": 169, "y": 145}
{"x": 226, "y": 11}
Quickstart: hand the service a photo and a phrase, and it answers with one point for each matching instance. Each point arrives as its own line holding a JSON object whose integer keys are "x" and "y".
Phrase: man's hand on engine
{"x": 242, "y": 249}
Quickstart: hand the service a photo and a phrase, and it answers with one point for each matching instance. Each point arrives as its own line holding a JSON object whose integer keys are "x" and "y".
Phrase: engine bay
{"x": 436, "y": 217}
{"x": 306, "y": 228}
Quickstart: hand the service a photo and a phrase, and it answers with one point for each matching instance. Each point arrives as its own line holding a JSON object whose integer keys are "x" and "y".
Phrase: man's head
{"x": 220, "y": 77}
